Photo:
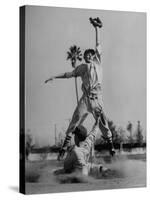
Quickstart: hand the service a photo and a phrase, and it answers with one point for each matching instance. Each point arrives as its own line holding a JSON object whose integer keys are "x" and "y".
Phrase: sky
{"x": 50, "y": 32}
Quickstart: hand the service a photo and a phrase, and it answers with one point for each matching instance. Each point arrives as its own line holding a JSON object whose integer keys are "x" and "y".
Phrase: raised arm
{"x": 97, "y": 24}
{"x": 98, "y": 48}
{"x": 97, "y": 38}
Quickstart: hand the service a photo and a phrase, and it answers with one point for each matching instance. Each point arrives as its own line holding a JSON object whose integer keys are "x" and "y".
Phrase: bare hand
{"x": 50, "y": 79}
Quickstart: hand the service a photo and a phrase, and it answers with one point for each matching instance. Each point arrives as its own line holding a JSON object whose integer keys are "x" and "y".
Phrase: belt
{"x": 92, "y": 96}
{"x": 92, "y": 92}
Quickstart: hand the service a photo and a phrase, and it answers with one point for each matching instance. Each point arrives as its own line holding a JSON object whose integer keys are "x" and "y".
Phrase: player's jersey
{"x": 91, "y": 74}
{"x": 77, "y": 157}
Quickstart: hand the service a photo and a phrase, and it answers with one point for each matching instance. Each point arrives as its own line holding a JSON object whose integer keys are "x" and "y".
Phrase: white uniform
{"x": 91, "y": 100}
{"x": 78, "y": 156}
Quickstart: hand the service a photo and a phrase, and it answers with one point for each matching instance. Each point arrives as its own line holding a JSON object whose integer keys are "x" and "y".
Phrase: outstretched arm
{"x": 75, "y": 73}
{"x": 63, "y": 75}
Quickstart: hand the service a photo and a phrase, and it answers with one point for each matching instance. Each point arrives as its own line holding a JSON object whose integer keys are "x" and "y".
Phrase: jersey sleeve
{"x": 98, "y": 51}
{"x": 78, "y": 71}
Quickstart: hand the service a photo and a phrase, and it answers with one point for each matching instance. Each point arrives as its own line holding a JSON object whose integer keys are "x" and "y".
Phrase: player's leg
{"x": 103, "y": 125}
{"x": 78, "y": 117}
{"x": 96, "y": 108}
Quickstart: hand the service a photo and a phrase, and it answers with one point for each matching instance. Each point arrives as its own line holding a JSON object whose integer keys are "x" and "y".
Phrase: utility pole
{"x": 55, "y": 127}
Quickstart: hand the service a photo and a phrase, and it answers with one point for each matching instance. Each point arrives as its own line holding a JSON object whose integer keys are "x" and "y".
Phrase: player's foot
{"x": 112, "y": 152}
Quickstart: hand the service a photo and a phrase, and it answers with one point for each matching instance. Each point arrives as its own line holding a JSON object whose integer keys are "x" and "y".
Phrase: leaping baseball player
{"x": 91, "y": 100}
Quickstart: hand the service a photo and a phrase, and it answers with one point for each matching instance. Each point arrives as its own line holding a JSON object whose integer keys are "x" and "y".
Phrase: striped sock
{"x": 67, "y": 141}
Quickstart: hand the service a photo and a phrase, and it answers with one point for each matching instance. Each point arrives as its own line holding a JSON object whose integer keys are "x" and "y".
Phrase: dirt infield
{"x": 126, "y": 172}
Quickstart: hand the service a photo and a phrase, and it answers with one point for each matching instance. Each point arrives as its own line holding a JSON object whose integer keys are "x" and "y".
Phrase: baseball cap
{"x": 80, "y": 132}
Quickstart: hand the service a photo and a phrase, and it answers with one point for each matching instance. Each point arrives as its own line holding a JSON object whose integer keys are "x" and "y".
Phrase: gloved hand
{"x": 96, "y": 22}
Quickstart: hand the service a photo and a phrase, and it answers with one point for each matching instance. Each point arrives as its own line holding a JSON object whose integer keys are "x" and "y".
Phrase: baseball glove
{"x": 96, "y": 22}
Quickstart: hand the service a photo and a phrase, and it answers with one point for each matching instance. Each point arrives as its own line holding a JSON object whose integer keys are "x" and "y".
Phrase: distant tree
{"x": 113, "y": 130}
{"x": 112, "y": 126}
{"x": 121, "y": 133}
{"x": 130, "y": 129}
{"x": 121, "y": 137}
{"x": 139, "y": 135}
{"x": 74, "y": 54}
{"x": 28, "y": 144}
